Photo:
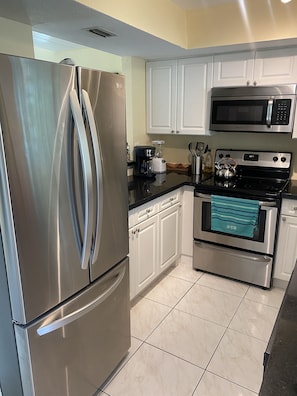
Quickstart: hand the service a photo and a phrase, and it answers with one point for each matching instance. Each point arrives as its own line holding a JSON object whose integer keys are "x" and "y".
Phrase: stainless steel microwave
{"x": 253, "y": 109}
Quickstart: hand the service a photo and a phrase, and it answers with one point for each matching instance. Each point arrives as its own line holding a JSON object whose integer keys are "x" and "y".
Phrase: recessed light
{"x": 285, "y": 1}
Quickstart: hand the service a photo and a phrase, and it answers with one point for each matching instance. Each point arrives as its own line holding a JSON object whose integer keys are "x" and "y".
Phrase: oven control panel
{"x": 270, "y": 159}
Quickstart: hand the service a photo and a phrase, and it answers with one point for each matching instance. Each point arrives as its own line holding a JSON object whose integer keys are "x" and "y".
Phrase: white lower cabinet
{"x": 169, "y": 227}
{"x": 287, "y": 241}
{"x": 187, "y": 222}
{"x": 143, "y": 241}
{"x": 154, "y": 241}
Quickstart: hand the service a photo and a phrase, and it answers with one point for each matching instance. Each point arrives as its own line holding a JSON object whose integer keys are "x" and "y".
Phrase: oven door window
{"x": 259, "y": 230}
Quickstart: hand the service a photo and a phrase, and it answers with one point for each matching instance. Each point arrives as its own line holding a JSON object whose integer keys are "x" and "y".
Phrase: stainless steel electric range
{"x": 236, "y": 215}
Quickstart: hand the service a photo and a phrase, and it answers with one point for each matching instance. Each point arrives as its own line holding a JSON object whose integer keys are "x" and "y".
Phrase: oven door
{"x": 264, "y": 235}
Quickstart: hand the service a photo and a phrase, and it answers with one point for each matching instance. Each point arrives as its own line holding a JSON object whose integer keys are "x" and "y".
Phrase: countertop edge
{"x": 280, "y": 372}
{"x": 160, "y": 193}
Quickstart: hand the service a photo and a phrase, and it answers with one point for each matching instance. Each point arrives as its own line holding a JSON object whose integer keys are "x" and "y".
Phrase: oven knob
{"x": 275, "y": 159}
{"x": 221, "y": 155}
{"x": 283, "y": 159}
{"x": 227, "y": 155}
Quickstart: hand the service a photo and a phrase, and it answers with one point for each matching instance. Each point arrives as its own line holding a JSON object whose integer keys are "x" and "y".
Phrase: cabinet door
{"x": 276, "y": 66}
{"x": 286, "y": 248}
{"x": 132, "y": 263}
{"x": 169, "y": 223}
{"x": 187, "y": 222}
{"x": 194, "y": 82}
{"x": 233, "y": 69}
{"x": 145, "y": 249}
{"x": 161, "y": 96}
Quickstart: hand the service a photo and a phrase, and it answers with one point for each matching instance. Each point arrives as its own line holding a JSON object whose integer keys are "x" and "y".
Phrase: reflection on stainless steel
{"x": 63, "y": 219}
{"x": 262, "y": 176}
{"x": 253, "y": 108}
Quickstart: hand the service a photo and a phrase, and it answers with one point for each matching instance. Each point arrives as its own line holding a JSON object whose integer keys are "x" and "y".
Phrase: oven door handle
{"x": 272, "y": 204}
{"x": 200, "y": 195}
{"x": 261, "y": 203}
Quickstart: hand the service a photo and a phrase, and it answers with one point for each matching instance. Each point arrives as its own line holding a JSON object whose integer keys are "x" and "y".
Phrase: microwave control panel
{"x": 281, "y": 112}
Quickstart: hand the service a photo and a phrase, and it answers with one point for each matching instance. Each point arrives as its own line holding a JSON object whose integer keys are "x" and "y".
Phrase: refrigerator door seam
{"x": 57, "y": 324}
{"x": 87, "y": 174}
{"x": 98, "y": 167}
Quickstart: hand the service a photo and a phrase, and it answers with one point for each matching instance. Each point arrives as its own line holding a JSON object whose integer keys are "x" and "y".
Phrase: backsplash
{"x": 176, "y": 147}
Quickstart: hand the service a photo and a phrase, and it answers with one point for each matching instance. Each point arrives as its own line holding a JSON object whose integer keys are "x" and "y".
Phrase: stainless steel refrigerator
{"x": 64, "y": 275}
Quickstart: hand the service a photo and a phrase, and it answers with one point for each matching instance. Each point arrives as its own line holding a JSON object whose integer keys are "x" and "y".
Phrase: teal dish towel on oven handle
{"x": 236, "y": 216}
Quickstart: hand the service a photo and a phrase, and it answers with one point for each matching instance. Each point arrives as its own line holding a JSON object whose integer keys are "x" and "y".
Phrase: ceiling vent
{"x": 101, "y": 32}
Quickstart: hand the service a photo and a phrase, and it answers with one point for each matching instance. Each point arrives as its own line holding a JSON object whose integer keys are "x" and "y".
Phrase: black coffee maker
{"x": 143, "y": 161}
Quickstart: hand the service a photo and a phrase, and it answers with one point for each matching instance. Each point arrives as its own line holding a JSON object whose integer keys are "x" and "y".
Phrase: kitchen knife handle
{"x": 61, "y": 322}
{"x": 98, "y": 168}
{"x": 87, "y": 175}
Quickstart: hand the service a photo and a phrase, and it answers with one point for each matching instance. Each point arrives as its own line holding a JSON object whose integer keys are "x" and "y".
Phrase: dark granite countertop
{"x": 280, "y": 376}
{"x": 291, "y": 190}
{"x": 142, "y": 190}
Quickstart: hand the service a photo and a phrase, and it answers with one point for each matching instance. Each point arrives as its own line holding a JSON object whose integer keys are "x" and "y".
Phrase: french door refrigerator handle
{"x": 57, "y": 324}
{"x": 87, "y": 175}
{"x": 98, "y": 166}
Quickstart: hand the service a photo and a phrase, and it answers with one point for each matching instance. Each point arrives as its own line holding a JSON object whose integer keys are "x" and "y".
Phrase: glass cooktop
{"x": 244, "y": 186}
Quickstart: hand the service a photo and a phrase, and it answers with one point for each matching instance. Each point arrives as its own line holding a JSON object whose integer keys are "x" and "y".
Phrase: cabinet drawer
{"x": 170, "y": 200}
{"x": 145, "y": 211}
{"x": 289, "y": 207}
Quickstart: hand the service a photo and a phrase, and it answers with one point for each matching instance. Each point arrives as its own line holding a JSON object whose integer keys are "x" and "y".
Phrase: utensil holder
{"x": 196, "y": 165}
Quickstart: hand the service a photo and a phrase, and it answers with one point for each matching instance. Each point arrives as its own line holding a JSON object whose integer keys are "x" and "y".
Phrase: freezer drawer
{"x": 75, "y": 348}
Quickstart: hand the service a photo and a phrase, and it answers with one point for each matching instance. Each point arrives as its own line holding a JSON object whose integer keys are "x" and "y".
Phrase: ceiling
{"x": 63, "y": 24}
{"x": 193, "y": 4}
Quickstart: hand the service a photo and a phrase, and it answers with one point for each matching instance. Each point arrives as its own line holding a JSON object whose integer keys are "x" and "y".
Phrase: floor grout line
{"x": 171, "y": 309}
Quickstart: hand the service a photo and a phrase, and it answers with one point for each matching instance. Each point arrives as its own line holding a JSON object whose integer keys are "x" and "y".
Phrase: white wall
{"x": 134, "y": 71}
{"x": 86, "y": 57}
{"x": 16, "y": 38}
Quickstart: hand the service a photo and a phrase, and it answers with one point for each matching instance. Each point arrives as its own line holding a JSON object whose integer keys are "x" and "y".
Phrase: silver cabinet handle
{"x": 57, "y": 324}
{"x": 98, "y": 168}
{"x": 87, "y": 175}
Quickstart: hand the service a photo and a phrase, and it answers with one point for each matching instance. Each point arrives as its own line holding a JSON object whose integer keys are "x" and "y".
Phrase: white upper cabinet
{"x": 277, "y": 66}
{"x": 265, "y": 67}
{"x": 233, "y": 69}
{"x": 178, "y": 96}
{"x": 194, "y": 83}
{"x": 161, "y": 96}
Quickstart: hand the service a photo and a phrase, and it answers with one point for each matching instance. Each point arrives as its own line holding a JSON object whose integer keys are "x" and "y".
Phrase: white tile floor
{"x": 196, "y": 334}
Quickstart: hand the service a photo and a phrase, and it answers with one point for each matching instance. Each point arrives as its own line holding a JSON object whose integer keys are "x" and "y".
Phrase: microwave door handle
{"x": 269, "y": 112}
